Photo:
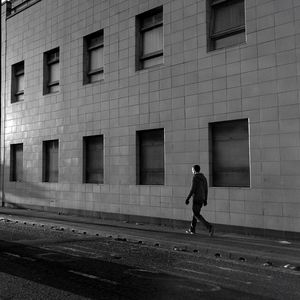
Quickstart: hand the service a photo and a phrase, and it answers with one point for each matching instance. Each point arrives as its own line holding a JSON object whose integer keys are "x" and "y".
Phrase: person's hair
{"x": 196, "y": 168}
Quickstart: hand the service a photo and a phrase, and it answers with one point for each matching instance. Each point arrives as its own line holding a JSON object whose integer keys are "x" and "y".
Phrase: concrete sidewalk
{"x": 247, "y": 249}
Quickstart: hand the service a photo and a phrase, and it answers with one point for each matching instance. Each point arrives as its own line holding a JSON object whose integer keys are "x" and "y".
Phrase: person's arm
{"x": 191, "y": 192}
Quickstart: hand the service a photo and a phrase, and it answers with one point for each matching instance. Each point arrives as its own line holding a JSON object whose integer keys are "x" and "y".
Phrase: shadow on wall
{"x": 18, "y": 194}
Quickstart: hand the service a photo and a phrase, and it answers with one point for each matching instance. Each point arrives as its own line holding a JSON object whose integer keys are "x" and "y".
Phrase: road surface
{"x": 43, "y": 263}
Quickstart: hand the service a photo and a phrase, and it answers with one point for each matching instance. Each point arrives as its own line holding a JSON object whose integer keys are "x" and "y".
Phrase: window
{"x": 227, "y": 23}
{"x": 16, "y": 162}
{"x": 150, "y": 157}
{"x": 93, "y": 159}
{"x": 149, "y": 38}
{"x": 50, "y": 161}
{"x": 51, "y": 71}
{"x": 93, "y": 57}
{"x": 229, "y": 153}
{"x": 15, "y": 6}
{"x": 17, "y": 80}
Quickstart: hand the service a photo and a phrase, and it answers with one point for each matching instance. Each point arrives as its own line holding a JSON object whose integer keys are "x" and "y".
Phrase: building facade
{"x": 106, "y": 106}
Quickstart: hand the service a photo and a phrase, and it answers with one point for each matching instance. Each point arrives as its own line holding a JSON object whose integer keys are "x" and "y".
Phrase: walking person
{"x": 199, "y": 193}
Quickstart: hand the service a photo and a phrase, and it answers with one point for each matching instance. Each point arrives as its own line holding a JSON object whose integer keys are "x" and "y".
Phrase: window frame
{"x": 212, "y": 152}
{"x": 14, "y": 172}
{"x": 18, "y": 70}
{"x": 87, "y": 50}
{"x": 48, "y": 61}
{"x": 85, "y": 171}
{"x": 213, "y": 37}
{"x": 46, "y": 168}
{"x": 140, "y": 30}
{"x": 139, "y": 159}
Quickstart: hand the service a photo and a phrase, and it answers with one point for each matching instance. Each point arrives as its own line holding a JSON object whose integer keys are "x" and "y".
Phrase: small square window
{"x": 93, "y": 61}
{"x": 51, "y": 71}
{"x": 227, "y": 23}
{"x": 149, "y": 38}
{"x": 150, "y": 157}
{"x": 16, "y": 162}
{"x": 50, "y": 161}
{"x": 93, "y": 159}
{"x": 229, "y": 153}
{"x": 18, "y": 82}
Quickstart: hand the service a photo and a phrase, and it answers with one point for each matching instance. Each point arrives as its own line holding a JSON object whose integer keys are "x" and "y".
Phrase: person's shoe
{"x": 190, "y": 231}
{"x": 211, "y": 231}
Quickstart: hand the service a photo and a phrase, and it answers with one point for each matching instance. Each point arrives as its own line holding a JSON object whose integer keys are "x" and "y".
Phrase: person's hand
{"x": 187, "y": 201}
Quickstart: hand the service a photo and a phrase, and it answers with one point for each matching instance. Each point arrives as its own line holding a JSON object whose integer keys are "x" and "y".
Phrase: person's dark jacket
{"x": 198, "y": 190}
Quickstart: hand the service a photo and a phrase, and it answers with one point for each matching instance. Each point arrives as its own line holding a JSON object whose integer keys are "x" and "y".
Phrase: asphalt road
{"x": 40, "y": 263}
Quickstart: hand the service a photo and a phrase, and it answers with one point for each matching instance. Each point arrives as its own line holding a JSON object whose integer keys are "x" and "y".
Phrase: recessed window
{"x": 229, "y": 153}
{"x": 16, "y": 6}
{"x": 16, "y": 162}
{"x": 227, "y": 23}
{"x": 18, "y": 81}
{"x": 51, "y": 71}
{"x": 149, "y": 38}
{"x": 150, "y": 157}
{"x": 93, "y": 159}
{"x": 93, "y": 62}
{"x": 50, "y": 161}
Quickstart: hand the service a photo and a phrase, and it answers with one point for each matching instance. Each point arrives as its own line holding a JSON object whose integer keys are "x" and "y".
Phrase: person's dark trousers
{"x": 196, "y": 211}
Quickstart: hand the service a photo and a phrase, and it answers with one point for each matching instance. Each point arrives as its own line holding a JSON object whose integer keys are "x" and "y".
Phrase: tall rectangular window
{"x": 93, "y": 62}
{"x": 17, "y": 80}
{"x": 150, "y": 157}
{"x": 149, "y": 38}
{"x": 51, "y": 71}
{"x": 16, "y": 162}
{"x": 229, "y": 153}
{"x": 227, "y": 23}
{"x": 93, "y": 159}
{"x": 50, "y": 161}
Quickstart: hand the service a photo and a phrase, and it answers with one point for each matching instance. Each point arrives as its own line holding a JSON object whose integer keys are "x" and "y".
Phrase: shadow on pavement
{"x": 99, "y": 279}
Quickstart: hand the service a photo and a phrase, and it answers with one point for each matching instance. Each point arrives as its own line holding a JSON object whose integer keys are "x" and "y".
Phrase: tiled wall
{"x": 258, "y": 80}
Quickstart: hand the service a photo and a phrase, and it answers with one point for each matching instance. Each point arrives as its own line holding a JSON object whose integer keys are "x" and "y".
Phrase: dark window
{"x": 16, "y": 162}
{"x": 227, "y": 23}
{"x": 229, "y": 153}
{"x": 150, "y": 157}
{"x": 93, "y": 62}
{"x": 93, "y": 159}
{"x": 16, "y": 6}
{"x": 149, "y": 38}
{"x": 50, "y": 161}
{"x": 17, "y": 80}
{"x": 51, "y": 71}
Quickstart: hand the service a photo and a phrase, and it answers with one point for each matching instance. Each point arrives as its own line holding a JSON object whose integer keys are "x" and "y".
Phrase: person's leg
{"x": 193, "y": 224}
{"x": 196, "y": 211}
{"x": 204, "y": 222}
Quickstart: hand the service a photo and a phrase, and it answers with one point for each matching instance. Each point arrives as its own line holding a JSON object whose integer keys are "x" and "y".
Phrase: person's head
{"x": 196, "y": 169}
